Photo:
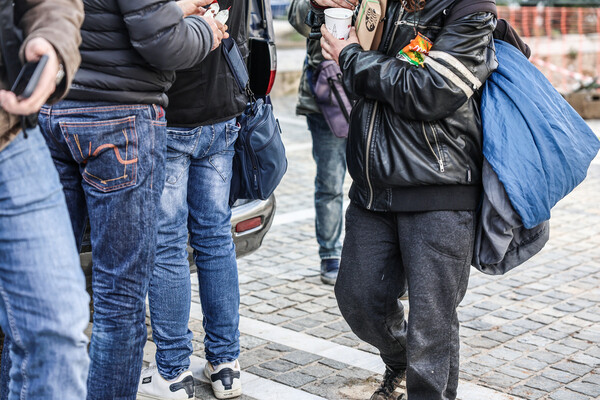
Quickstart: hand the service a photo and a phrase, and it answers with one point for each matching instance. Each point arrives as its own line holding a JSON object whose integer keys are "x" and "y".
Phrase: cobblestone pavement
{"x": 530, "y": 334}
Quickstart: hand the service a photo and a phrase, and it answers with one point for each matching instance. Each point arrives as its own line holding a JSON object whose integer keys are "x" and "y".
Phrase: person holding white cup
{"x": 411, "y": 221}
{"x": 338, "y": 22}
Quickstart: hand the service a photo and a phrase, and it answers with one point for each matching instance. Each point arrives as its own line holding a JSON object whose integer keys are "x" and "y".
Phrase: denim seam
{"x": 49, "y": 129}
{"x": 196, "y": 135}
{"x": 231, "y": 128}
{"x": 196, "y": 141}
{"x": 77, "y": 110}
{"x": 217, "y": 169}
{"x": 16, "y": 337}
{"x": 212, "y": 142}
{"x": 152, "y": 139}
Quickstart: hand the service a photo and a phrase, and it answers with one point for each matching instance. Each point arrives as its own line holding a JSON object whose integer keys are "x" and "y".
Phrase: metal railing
{"x": 565, "y": 42}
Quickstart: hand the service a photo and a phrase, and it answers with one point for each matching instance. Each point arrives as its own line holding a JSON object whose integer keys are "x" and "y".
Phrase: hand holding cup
{"x": 331, "y": 47}
{"x": 338, "y": 22}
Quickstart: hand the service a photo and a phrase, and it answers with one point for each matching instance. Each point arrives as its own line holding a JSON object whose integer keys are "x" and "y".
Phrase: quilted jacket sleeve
{"x": 163, "y": 37}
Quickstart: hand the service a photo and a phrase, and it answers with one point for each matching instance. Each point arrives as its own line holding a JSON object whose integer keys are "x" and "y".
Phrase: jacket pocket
{"x": 107, "y": 151}
{"x": 433, "y": 143}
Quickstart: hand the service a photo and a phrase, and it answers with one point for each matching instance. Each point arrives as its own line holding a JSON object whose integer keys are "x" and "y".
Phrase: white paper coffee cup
{"x": 338, "y": 21}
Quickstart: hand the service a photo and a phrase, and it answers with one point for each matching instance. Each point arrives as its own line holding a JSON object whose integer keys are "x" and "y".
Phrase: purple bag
{"x": 332, "y": 98}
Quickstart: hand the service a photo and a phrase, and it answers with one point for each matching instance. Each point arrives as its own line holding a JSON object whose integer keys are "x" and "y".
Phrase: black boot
{"x": 391, "y": 381}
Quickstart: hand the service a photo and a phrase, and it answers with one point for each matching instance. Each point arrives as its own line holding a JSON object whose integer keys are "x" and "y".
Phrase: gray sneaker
{"x": 329, "y": 270}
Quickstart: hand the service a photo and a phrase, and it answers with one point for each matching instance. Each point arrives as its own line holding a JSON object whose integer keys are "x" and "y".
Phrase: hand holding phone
{"x": 28, "y": 78}
{"x": 35, "y": 49}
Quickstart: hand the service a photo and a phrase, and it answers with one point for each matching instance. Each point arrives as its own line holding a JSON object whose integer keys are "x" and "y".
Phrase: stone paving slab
{"x": 530, "y": 334}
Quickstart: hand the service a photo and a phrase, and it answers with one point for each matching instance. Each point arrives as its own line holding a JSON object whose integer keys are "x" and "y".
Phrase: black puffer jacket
{"x": 130, "y": 49}
{"x": 415, "y": 138}
{"x": 207, "y": 93}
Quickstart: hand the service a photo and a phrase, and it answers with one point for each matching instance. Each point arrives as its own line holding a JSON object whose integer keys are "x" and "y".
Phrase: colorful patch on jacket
{"x": 414, "y": 51}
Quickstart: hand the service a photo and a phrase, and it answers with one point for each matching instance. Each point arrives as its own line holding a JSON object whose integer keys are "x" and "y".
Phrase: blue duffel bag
{"x": 537, "y": 144}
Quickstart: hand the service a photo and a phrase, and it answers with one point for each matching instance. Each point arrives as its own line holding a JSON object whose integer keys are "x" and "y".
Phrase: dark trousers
{"x": 429, "y": 251}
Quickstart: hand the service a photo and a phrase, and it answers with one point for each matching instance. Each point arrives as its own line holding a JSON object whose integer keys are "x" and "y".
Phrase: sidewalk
{"x": 530, "y": 334}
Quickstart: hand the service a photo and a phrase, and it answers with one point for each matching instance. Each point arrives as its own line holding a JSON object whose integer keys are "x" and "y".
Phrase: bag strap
{"x": 379, "y": 29}
{"x": 462, "y": 8}
{"x": 504, "y": 31}
{"x": 238, "y": 69}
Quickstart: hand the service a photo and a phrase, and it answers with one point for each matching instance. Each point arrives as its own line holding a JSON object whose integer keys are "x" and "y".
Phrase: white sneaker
{"x": 224, "y": 379}
{"x": 154, "y": 386}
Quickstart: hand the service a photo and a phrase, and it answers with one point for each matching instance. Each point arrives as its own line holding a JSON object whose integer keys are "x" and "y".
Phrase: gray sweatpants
{"x": 431, "y": 251}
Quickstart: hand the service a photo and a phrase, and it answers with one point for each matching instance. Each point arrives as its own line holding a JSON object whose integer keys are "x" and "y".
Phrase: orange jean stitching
{"x": 116, "y": 151}
{"x": 111, "y": 188}
{"x": 104, "y": 181}
{"x": 134, "y": 162}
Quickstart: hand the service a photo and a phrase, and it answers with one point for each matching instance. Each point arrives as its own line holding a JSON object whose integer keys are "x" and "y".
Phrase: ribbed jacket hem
{"x": 436, "y": 198}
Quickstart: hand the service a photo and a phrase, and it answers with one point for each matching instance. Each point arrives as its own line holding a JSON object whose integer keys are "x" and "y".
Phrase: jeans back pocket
{"x": 107, "y": 151}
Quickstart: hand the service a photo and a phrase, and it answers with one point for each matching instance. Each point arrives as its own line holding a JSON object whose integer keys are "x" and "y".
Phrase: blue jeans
{"x": 110, "y": 158}
{"x": 329, "y": 152}
{"x": 44, "y": 308}
{"x": 195, "y": 199}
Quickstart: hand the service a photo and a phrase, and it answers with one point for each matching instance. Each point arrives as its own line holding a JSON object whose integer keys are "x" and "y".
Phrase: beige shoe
{"x": 224, "y": 379}
{"x": 154, "y": 386}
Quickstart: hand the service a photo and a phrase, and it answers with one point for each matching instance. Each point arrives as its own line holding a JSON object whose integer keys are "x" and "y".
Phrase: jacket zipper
{"x": 372, "y": 122}
{"x": 439, "y": 158}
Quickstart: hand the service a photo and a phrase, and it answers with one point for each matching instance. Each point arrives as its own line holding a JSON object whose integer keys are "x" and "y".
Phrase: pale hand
{"x": 331, "y": 47}
{"x": 36, "y": 48}
{"x": 350, "y": 4}
{"x": 219, "y": 31}
{"x": 193, "y": 7}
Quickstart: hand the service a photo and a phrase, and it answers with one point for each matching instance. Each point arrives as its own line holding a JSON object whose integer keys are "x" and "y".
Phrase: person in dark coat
{"x": 415, "y": 157}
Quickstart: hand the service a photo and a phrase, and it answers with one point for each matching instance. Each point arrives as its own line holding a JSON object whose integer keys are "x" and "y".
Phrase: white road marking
{"x": 333, "y": 351}
{"x": 252, "y": 385}
{"x": 294, "y": 216}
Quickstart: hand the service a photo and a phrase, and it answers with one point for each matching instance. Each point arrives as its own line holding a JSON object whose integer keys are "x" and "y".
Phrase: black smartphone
{"x": 28, "y": 78}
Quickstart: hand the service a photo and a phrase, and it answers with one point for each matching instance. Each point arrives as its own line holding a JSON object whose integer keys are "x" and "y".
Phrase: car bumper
{"x": 250, "y": 222}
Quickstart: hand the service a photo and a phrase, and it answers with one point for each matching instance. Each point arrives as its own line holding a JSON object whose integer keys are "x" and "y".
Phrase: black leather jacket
{"x": 415, "y": 140}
